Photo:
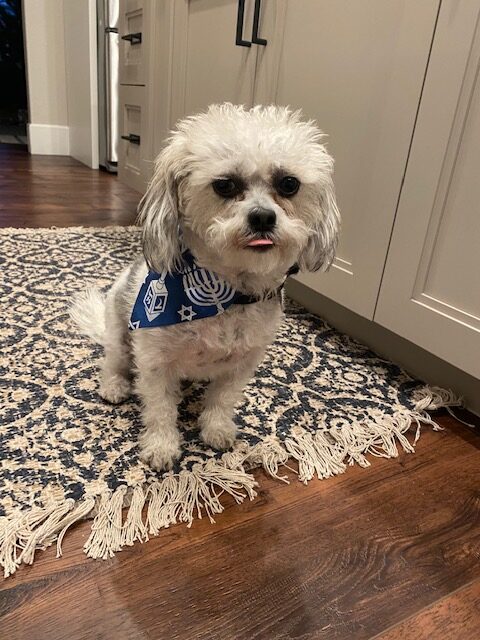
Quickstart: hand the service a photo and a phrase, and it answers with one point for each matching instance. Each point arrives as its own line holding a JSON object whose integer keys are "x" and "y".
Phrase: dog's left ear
{"x": 322, "y": 244}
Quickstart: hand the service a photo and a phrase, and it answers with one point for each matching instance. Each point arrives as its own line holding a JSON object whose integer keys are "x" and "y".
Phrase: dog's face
{"x": 251, "y": 190}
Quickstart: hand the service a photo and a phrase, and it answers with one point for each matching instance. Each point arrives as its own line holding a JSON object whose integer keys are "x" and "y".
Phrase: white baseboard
{"x": 48, "y": 139}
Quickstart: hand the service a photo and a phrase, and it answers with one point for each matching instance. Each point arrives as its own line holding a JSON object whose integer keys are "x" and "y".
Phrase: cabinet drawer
{"x": 133, "y": 22}
{"x": 133, "y": 131}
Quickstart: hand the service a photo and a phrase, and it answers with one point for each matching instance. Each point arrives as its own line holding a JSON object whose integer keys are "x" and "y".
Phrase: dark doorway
{"x": 13, "y": 85}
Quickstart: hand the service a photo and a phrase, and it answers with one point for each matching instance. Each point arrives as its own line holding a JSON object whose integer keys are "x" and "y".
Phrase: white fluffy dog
{"x": 249, "y": 193}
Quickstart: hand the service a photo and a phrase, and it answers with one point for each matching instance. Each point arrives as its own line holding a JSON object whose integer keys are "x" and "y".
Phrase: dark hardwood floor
{"x": 390, "y": 552}
{"x": 46, "y": 191}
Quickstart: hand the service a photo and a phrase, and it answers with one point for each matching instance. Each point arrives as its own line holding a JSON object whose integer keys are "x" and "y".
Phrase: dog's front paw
{"x": 159, "y": 451}
{"x": 218, "y": 433}
{"x": 115, "y": 389}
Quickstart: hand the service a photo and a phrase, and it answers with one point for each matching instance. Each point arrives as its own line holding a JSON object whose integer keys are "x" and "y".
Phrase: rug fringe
{"x": 81, "y": 511}
{"x": 106, "y": 536}
{"x": 134, "y": 529}
{"x": 270, "y": 454}
{"x": 38, "y": 528}
{"x": 196, "y": 492}
{"x": 177, "y": 498}
{"x": 315, "y": 455}
{"x": 433, "y": 398}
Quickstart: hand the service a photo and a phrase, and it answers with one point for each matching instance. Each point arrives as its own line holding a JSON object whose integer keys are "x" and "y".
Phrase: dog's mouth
{"x": 260, "y": 244}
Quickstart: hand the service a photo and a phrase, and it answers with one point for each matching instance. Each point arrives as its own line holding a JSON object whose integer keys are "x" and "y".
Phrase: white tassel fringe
{"x": 196, "y": 492}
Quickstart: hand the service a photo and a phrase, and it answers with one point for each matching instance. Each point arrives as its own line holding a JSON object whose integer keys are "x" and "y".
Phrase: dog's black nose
{"x": 262, "y": 220}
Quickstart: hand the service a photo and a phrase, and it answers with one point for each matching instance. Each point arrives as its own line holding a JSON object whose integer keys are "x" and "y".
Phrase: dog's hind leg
{"x": 116, "y": 374}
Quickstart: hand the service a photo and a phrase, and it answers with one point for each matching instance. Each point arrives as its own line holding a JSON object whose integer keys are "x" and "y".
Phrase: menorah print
{"x": 206, "y": 289}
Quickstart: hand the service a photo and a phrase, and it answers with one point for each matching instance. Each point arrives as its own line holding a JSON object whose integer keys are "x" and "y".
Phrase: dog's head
{"x": 248, "y": 190}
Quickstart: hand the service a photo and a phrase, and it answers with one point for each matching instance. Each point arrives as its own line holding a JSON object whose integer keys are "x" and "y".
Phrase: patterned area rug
{"x": 319, "y": 398}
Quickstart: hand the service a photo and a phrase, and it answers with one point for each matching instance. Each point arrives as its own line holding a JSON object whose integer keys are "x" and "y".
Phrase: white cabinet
{"x": 383, "y": 80}
{"x": 430, "y": 292}
{"x": 135, "y": 149}
{"x": 208, "y": 65}
{"x": 176, "y": 58}
{"x": 357, "y": 68}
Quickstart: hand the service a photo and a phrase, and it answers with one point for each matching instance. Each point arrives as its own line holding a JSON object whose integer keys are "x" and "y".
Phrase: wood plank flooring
{"x": 45, "y": 191}
{"x": 390, "y": 552}
{"x": 456, "y": 616}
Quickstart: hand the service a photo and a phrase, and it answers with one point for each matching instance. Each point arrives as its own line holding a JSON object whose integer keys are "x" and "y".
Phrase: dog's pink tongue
{"x": 261, "y": 242}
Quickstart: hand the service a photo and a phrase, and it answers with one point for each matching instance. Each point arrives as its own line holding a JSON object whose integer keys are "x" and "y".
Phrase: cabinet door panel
{"x": 357, "y": 68}
{"x": 133, "y": 166}
{"x": 134, "y": 19}
{"x": 430, "y": 291}
{"x": 208, "y": 66}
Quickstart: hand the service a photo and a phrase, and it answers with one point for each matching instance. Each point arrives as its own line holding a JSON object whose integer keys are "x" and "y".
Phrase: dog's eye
{"x": 226, "y": 187}
{"x": 287, "y": 186}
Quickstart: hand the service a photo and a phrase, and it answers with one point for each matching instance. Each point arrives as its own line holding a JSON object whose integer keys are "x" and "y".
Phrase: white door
{"x": 81, "y": 73}
{"x": 357, "y": 68}
{"x": 430, "y": 293}
{"x": 209, "y": 62}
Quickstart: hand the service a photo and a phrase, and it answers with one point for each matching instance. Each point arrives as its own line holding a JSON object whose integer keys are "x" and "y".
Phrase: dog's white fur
{"x": 227, "y": 140}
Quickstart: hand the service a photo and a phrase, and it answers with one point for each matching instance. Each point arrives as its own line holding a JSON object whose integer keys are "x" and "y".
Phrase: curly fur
{"x": 225, "y": 141}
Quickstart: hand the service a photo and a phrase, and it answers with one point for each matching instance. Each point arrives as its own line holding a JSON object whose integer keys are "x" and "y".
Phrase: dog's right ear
{"x": 159, "y": 214}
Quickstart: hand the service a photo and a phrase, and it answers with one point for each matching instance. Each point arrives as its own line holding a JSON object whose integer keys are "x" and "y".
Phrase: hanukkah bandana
{"x": 190, "y": 294}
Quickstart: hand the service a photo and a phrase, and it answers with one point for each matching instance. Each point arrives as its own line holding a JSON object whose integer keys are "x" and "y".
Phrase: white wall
{"x": 80, "y": 17}
{"x": 46, "y": 77}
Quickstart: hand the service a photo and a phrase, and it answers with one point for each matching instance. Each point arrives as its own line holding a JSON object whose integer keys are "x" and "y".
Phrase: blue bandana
{"x": 190, "y": 294}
